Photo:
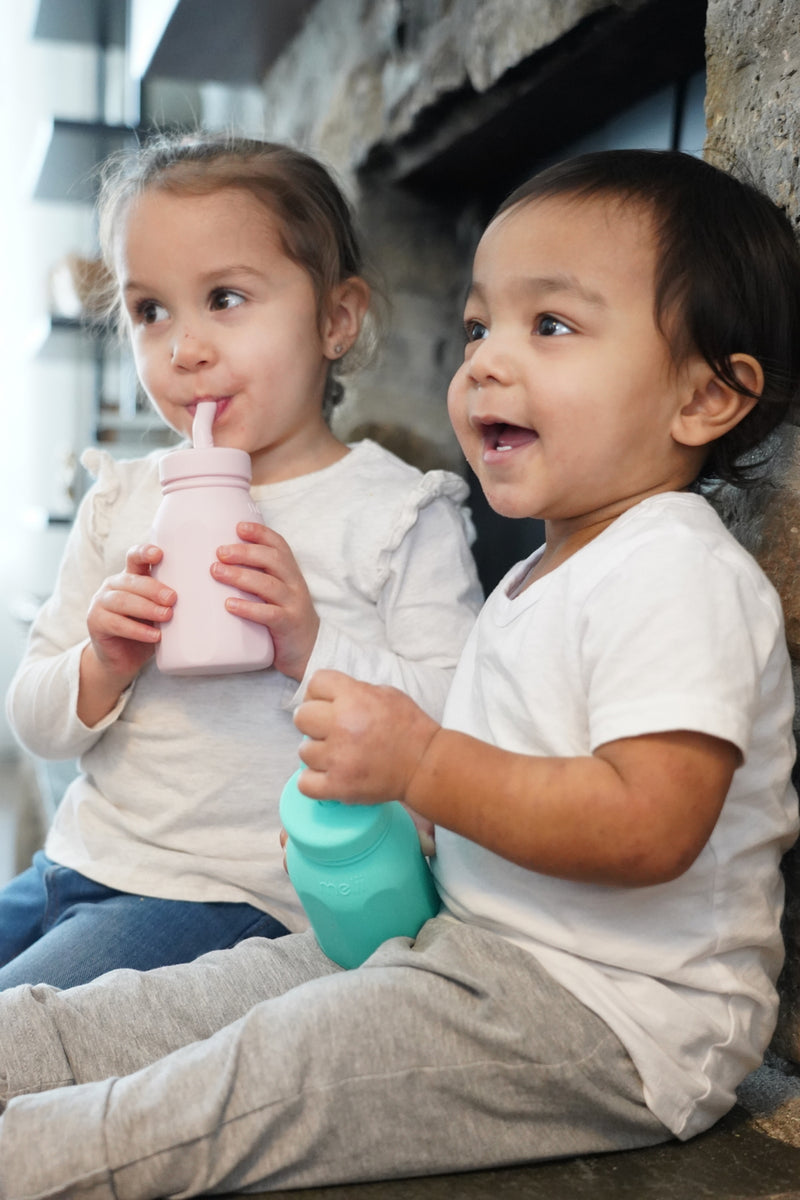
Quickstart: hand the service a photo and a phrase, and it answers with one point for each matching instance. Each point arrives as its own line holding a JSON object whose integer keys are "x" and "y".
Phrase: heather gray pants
{"x": 266, "y": 1067}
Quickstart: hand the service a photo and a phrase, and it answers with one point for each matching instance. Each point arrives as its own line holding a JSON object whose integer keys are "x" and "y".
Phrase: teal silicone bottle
{"x": 358, "y": 870}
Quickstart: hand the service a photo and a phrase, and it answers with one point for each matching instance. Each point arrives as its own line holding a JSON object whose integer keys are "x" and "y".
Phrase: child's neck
{"x": 565, "y": 538}
{"x": 558, "y": 549}
{"x": 275, "y": 464}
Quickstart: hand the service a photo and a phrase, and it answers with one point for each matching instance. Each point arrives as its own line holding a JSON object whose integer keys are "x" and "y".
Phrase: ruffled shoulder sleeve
{"x": 118, "y": 508}
{"x": 442, "y": 490}
{"x": 105, "y": 493}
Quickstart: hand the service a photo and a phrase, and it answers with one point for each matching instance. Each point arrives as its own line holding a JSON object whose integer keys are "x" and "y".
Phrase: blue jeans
{"x": 58, "y": 927}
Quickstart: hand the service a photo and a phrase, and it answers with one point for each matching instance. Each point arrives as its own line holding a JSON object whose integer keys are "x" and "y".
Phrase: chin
{"x": 508, "y": 506}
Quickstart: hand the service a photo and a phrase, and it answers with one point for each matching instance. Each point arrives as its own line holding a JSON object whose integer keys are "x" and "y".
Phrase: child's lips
{"x": 220, "y": 401}
{"x": 501, "y": 439}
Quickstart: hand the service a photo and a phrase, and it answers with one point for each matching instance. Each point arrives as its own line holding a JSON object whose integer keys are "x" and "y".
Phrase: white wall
{"x": 43, "y": 405}
{"x": 46, "y": 405}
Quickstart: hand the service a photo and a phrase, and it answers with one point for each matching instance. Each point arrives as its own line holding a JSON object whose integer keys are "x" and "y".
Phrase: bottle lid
{"x": 215, "y": 460}
{"x": 328, "y": 830}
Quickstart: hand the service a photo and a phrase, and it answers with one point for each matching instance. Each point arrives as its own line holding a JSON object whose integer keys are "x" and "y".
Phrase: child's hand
{"x": 367, "y": 740}
{"x": 263, "y": 565}
{"x": 125, "y": 613}
{"x": 123, "y": 629}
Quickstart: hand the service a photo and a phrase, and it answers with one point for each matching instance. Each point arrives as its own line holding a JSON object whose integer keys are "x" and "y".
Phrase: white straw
{"x": 202, "y": 437}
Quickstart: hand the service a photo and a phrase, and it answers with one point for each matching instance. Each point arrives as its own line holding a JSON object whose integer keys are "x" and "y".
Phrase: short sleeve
{"x": 676, "y": 637}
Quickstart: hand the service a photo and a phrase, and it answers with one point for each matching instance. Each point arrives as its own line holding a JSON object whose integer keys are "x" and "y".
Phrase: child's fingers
{"x": 270, "y": 561}
{"x": 252, "y": 579}
{"x": 313, "y": 719}
{"x": 246, "y": 554}
{"x": 105, "y": 625}
{"x": 313, "y": 784}
{"x": 129, "y": 629}
{"x": 131, "y": 593}
{"x": 262, "y": 535}
{"x": 129, "y": 607}
{"x": 140, "y": 559}
{"x": 262, "y": 550}
{"x": 327, "y": 684}
{"x": 136, "y": 607}
{"x": 277, "y": 599}
{"x": 336, "y": 707}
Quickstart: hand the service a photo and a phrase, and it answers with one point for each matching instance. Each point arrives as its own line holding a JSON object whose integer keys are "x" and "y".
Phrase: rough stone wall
{"x": 753, "y": 93}
{"x": 363, "y": 72}
{"x": 753, "y": 116}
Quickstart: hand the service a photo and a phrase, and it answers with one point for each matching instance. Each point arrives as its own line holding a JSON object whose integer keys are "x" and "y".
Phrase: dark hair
{"x": 727, "y": 278}
{"x": 316, "y": 222}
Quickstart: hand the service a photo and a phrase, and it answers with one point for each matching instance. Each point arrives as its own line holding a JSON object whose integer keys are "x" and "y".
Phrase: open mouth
{"x": 502, "y": 438}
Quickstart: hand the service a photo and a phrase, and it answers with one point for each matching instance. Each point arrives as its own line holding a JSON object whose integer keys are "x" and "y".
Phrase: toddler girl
{"x": 238, "y": 277}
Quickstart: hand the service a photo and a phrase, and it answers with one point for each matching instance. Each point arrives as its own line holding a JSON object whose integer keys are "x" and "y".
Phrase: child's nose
{"x": 190, "y": 350}
{"x": 491, "y": 362}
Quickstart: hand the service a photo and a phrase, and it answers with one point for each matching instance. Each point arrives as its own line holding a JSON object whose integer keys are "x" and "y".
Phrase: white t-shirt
{"x": 663, "y": 622}
{"x": 179, "y": 785}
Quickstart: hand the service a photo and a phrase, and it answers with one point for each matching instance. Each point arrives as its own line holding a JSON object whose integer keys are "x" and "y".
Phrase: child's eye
{"x": 149, "y": 312}
{"x": 222, "y": 298}
{"x": 475, "y": 331}
{"x": 549, "y": 326}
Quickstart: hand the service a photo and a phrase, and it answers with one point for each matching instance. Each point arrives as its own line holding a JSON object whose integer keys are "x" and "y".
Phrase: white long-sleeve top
{"x": 178, "y": 790}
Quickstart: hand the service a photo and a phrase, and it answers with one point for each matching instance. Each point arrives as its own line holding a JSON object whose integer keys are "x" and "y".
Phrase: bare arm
{"x": 636, "y": 812}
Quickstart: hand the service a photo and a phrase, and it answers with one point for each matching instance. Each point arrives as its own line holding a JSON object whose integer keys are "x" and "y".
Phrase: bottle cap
{"x": 327, "y": 830}
{"x": 216, "y": 460}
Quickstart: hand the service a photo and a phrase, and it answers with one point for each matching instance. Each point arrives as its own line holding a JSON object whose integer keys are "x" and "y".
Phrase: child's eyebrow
{"x": 567, "y": 283}
{"x": 230, "y": 270}
{"x": 534, "y": 286}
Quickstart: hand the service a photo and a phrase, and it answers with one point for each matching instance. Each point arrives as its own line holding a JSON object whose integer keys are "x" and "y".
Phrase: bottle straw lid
{"x": 217, "y": 460}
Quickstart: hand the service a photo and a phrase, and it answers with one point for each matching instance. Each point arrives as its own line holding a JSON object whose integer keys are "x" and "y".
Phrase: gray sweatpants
{"x": 266, "y": 1067}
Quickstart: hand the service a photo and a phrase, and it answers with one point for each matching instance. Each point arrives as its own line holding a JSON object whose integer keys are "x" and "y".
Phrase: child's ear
{"x": 346, "y": 309}
{"x": 714, "y": 406}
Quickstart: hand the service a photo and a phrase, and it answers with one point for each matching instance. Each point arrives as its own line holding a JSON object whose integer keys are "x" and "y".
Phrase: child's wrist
{"x": 420, "y": 787}
{"x": 97, "y": 672}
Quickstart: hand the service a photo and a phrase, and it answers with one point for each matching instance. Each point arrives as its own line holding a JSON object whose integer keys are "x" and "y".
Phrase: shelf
{"x": 130, "y": 438}
{"x": 66, "y": 156}
{"x": 99, "y": 22}
{"x": 61, "y": 337}
{"x": 143, "y": 422}
{"x": 224, "y": 41}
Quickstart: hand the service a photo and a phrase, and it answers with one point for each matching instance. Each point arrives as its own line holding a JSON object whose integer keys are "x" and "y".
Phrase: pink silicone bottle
{"x": 206, "y": 492}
